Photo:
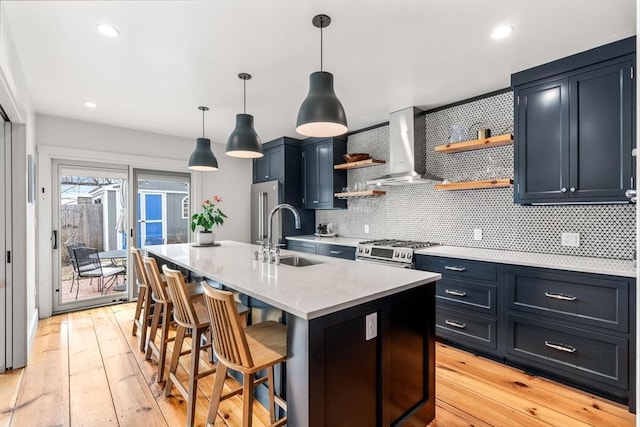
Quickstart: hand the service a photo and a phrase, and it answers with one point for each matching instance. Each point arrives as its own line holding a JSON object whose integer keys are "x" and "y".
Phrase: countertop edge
{"x": 560, "y": 262}
{"x": 337, "y": 240}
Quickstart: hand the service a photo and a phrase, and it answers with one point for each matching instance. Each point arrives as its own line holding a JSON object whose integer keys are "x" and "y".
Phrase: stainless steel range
{"x": 396, "y": 253}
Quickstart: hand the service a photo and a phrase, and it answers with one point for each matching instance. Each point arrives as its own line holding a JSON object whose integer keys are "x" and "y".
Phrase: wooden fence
{"x": 81, "y": 223}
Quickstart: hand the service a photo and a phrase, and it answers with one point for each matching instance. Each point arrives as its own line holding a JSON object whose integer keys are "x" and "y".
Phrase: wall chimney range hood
{"x": 407, "y": 150}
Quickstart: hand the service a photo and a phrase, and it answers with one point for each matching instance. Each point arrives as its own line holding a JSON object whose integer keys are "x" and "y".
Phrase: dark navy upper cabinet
{"x": 574, "y": 128}
{"x": 271, "y": 166}
{"x": 320, "y": 179}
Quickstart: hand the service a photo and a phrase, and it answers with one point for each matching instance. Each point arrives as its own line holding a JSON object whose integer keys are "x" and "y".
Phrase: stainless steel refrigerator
{"x": 267, "y": 195}
{"x": 264, "y": 197}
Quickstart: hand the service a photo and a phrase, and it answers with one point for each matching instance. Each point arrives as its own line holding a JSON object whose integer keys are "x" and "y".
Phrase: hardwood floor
{"x": 86, "y": 370}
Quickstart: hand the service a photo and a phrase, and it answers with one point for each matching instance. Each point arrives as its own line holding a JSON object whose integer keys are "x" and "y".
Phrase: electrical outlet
{"x": 371, "y": 326}
{"x": 477, "y": 234}
{"x": 366, "y": 229}
{"x": 570, "y": 239}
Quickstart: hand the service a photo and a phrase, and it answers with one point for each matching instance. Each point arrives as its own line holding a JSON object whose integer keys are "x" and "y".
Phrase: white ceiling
{"x": 172, "y": 56}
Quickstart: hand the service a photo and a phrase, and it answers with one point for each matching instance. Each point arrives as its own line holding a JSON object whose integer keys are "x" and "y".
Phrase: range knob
{"x": 367, "y": 250}
{"x": 404, "y": 255}
{"x": 409, "y": 256}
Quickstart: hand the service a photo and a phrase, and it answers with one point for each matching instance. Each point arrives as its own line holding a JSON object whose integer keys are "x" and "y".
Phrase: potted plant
{"x": 210, "y": 216}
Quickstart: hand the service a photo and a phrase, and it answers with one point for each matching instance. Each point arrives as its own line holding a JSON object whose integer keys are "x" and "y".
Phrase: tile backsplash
{"x": 420, "y": 212}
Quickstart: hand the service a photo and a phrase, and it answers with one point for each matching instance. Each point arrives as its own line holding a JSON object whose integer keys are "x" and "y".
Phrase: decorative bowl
{"x": 355, "y": 157}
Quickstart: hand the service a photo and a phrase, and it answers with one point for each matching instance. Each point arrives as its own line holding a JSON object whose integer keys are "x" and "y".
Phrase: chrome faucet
{"x": 269, "y": 243}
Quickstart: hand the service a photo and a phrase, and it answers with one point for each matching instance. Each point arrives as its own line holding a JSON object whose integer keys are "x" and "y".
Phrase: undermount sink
{"x": 296, "y": 261}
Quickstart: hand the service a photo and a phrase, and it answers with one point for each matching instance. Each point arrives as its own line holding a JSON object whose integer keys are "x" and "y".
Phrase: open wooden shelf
{"x": 476, "y": 144}
{"x": 365, "y": 193}
{"x": 359, "y": 164}
{"x": 475, "y": 185}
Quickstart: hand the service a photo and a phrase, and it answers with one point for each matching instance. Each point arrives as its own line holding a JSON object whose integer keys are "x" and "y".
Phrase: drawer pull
{"x": 448, "y": 267}
{"x": 336, "y": 252}
{"x": 560, "y": 296}
{"x": 455, "y": 324}
{"x": 561, "y": 347}
{"x": 455, "y": 293}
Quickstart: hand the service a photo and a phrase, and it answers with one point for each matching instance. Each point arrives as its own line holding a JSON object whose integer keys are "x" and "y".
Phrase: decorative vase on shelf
{"x": 206, "y": 237}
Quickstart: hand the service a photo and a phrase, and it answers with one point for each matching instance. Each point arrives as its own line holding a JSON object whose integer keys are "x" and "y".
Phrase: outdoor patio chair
{"x": 78, "y": 267}
{"x": 106, "y": 275}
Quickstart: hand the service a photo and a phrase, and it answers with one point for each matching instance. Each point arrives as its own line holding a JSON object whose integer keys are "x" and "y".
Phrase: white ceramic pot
{"x": 206, "y": 237}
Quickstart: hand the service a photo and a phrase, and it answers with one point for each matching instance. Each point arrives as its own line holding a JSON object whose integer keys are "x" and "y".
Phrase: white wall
{"x": 97, "y": 142}
{"x": 14, "y": 98}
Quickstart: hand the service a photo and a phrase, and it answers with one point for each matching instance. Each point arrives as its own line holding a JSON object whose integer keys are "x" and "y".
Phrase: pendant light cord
{"x": 203, "y": 123}
{"x": 321, "y": 25}
{"x": 244, "y": 84}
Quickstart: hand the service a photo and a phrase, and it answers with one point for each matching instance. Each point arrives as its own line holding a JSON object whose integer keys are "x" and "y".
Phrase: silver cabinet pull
{"x": 560, "y": 347}
{"x": 563, "y": 190}
{"x": 631, "y": 194}
{"x": 572, "y": 189}
{"x": 455, "y": 293}
{"x": 448, "y": 267}
{"x": 560, "y": 296}
{"x": 315, "y": 201}
{"x": 336, "y": 252}
{"x": 455, "y": 324}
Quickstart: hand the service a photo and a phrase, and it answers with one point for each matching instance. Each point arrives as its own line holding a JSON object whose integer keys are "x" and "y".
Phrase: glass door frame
{"x": 77, "y": 168}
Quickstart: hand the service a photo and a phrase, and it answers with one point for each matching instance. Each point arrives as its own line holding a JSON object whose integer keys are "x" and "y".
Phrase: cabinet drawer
{"x": 596, "y": 301}
{"x": 467, "y": 295}
{"x": 466, "y": 328}
{"x": 460, "y": 269}
{"x": 337, "y": 251}
{"x": 296, "y": 245}
{"x": 569, "y": 351}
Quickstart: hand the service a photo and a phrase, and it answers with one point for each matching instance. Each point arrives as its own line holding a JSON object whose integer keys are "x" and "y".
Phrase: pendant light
{"x": 244, "y": 141}
{"x": 202, "y": 159}
{"x": 321, "y": 113}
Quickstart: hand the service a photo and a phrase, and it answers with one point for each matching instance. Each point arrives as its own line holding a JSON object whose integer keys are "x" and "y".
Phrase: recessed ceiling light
{"x": 91, "y": 104}
{"x": 108, "y": 30}
{"x": 501, "y": 32}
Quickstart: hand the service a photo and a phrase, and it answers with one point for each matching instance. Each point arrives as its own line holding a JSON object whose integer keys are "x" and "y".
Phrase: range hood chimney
{"x": 407, "y": 150}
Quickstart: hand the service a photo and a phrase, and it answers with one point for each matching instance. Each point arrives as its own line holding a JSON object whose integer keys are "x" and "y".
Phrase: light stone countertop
{"x": 306, "y": 292}
{"x": 614, "y": 267}
{"x": 344, "y": 241}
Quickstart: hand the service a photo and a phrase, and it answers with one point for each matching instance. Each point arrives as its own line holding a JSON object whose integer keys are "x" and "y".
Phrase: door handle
{"x": 54, "y": 239}
{"x": 631, "y": 194}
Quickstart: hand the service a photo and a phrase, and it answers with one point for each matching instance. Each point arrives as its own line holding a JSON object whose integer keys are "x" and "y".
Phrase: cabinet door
{"x": 601, "y": 132}
{"x": 270, "y": 166}
{"x": 542, "y": 148}
{"x": 318, "y": 175}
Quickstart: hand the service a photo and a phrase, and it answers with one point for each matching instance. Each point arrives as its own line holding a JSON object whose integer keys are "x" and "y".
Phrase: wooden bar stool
{"x": 143, "y": 306}
{"x": 162, "y": 313}
{"x": 191, "y": 315}
{"x": 247, "y": 350}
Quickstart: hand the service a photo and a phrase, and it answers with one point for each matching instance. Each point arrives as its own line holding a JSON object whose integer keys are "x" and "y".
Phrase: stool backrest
{"x": 229, "y": 340}
{"x": 183, "y": 311}
{"x": 141, "y": 274}
{"x": 155, "y": 279}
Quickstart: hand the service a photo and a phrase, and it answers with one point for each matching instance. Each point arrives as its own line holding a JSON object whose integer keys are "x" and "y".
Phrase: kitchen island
{"x": 360, "y": 336}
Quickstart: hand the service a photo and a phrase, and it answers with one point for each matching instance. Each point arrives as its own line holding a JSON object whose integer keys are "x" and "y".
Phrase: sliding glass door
{"x": 89, "y": 235}
{"x": 162, "y": 207}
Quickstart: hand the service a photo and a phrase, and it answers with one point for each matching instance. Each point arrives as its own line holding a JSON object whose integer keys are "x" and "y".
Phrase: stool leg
{"x": 136, "y": 315}
{"x": 221, "y": 375}
{"x": 175, "y": 359}
{"x": 157, "y": 311}
{"x": 193, "y": 374}
{"x": 247, "y": 402}
{"x": 166, "y": 314}
{"x": 272, "y": 400}
{"x": 146, "y": 309}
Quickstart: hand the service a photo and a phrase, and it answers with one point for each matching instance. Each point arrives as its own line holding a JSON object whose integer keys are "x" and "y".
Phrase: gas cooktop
{"x": 394, "y": 243}
{"x": 398, "y": 251}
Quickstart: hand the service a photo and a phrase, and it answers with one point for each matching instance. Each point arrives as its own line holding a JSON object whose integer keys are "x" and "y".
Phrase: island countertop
{"x": 306, "y": 292}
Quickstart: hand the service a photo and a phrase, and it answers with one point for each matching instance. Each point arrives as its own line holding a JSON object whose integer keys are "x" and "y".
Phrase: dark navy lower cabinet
{"x": 336, "y": 251}
{"x": 576, "y": 328}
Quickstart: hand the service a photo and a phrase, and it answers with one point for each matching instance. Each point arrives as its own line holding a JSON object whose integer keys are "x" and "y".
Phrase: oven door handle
{"x": 387, "y": 263}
